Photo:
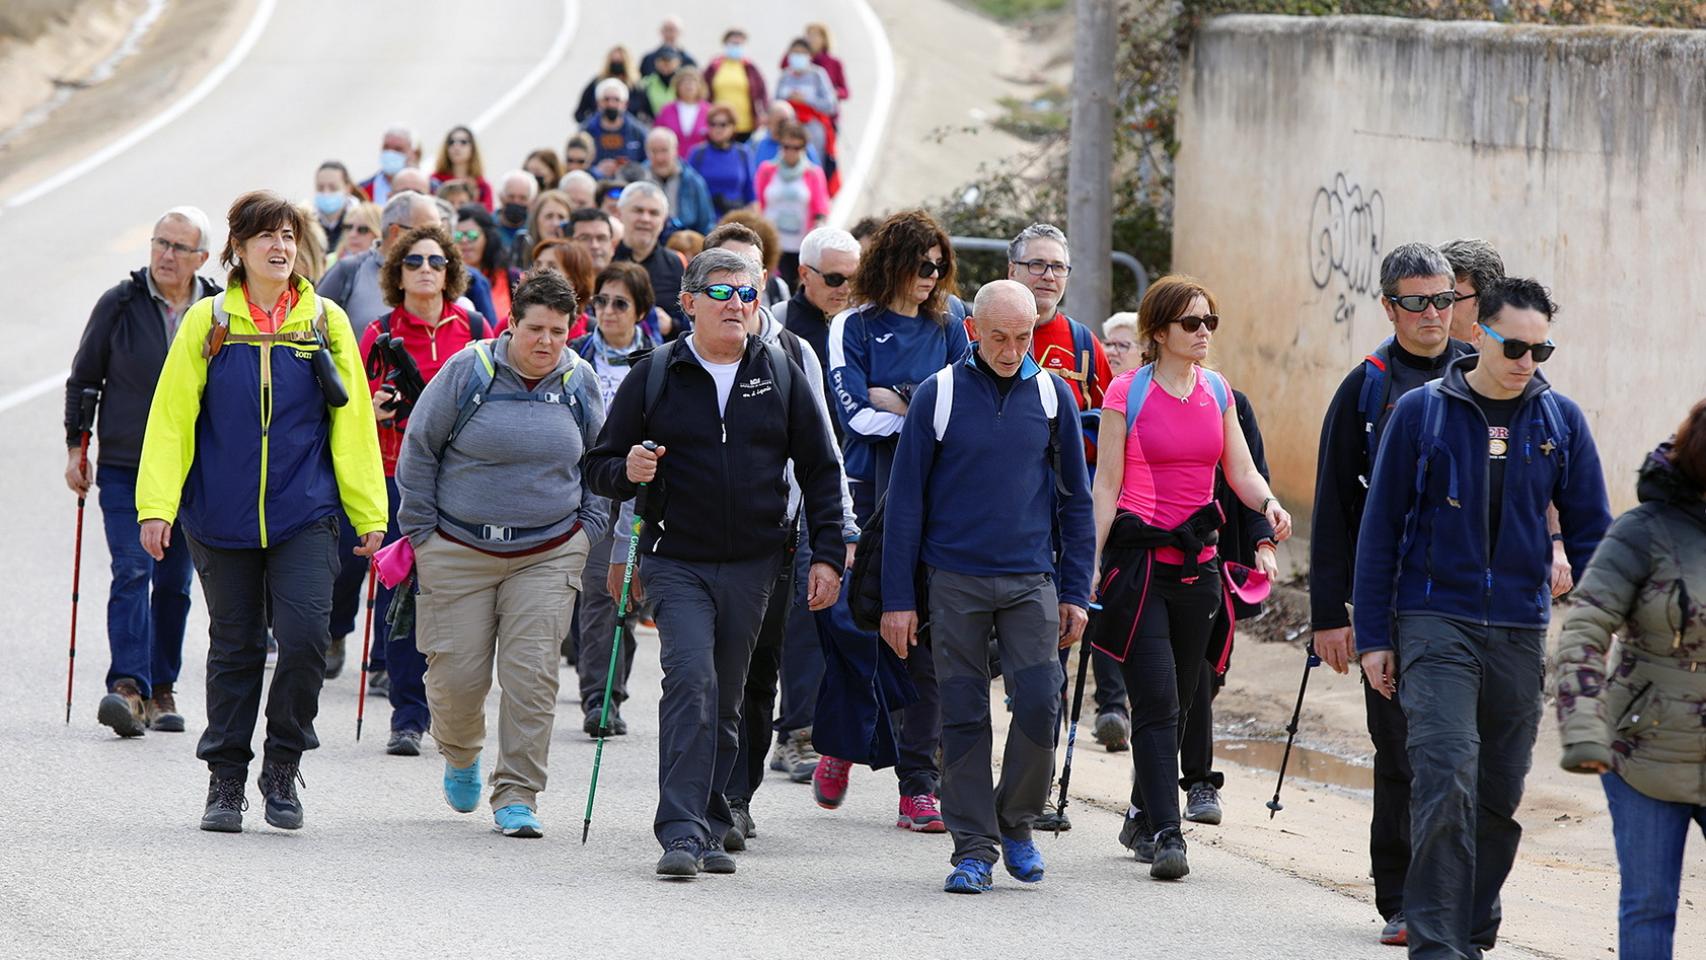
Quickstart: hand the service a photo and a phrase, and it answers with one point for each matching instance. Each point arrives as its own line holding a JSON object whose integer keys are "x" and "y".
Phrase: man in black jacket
{"x": 716, "y": 523}
{"x": 120, "y": 356}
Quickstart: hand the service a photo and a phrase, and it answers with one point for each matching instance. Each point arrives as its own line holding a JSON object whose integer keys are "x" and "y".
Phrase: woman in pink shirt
{"x": 1156, "y": 529}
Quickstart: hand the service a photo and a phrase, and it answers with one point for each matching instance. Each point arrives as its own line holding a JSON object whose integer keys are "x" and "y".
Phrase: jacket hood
{"x": 1659, "y": 481}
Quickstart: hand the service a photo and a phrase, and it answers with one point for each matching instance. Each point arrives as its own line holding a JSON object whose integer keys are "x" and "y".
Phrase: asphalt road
{"x": 99, "y": 850}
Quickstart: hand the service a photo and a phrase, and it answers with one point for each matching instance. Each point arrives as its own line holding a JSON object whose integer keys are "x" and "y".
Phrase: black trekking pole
{"x": 1313, "y": 661}
{"x": 616, "y": 647}
{"x": 1084, "y": 654}
{"x": 85, "y": 423}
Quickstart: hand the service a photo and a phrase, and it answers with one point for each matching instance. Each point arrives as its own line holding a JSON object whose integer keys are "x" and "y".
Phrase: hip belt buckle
{"x": 495, "y": 534}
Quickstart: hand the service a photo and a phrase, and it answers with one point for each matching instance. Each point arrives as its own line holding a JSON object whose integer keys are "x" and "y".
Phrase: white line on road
{"x": 34, "y": 390}
{"x": 553, "y": 56}
{"x": 208, "y": 84}
{"x": 870, "y": 139}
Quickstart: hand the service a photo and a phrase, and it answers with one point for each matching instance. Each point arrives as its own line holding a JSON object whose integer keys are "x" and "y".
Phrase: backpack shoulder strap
{"x": 944, "y": 401}
{"x": 1084, "y": 356}
{"x": 659, "y": 369}
{"x": 1138, "y": 393}
{"x": 1218, "y": 386}
{"x": 1558, "y": 432}
{"x": 1050, "y": 397}
{"x": 791, "y": 342}
{"x": 782, "y": 372}
{"x": 1371, "y": 402}
{"x": 1046, "y": 391}
{"x": 474, "y": 394}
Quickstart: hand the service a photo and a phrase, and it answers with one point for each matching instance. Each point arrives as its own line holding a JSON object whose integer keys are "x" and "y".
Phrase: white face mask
{"x": 799, "y": 61}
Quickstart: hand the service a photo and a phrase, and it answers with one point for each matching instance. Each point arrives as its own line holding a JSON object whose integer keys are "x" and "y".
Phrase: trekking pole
{"x": 1084, "y": 654}
{"x": 1310, "y": 663}
{"x": 85, "y": 423}
{"x": 616, "y": 647}
{"x": 366, "y": 639}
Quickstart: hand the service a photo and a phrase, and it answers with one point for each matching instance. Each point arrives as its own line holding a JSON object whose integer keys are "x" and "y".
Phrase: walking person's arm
{"x": 594, "y": 510}
{"x": 1584, "y": 512}
{"x": 423, "y": 444}
{"x": 355, "y": 440}
{"x": 849, "y": 374}
{"x": 1110, "y": 475}
{"x": 903, "y": 520}
{"x": 1577, "y": 672}
{"x": 1075, "y": 517}
{"x": 1247, "y": 481}
{"x": 817, "y": 471}
{"x": 168, "y": 442}
{"x": 1338, "y": 494}
{"x": 88, "y": 371}
{"x": 1257, "y": 527}
{"x": 1391, "y": 494}
{"x": 814, "y": 380}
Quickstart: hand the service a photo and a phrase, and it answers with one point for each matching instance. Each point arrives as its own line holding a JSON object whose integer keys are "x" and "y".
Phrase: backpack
{"x": 319, "y": 333}
{"x": 1139, "y": 392}
{"x": 477, "y": 328}
{"x": 1429, "y": 441}
{"x": 1371, "y": 402}
{"x": 1046, "y": 392}
{"x": 477, "y": 392}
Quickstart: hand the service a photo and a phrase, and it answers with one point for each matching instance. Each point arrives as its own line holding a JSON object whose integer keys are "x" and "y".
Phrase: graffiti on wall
{"x": 1347, "y": 228}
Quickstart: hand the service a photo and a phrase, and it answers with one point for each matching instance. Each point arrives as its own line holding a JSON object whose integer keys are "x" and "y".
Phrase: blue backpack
{"x": 1139, "y": 392}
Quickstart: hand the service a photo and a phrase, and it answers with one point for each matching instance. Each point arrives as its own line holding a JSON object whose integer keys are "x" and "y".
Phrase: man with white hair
{"x": 397, "y": 149}
{"x": 119, "y": 358}
{"x": 829, "y": 257}
{"x": 581, "y": 188}
{"x": 988, "y": 477}
{"x": 413, "y": 179}
{"x": 617, "y": 138}
{"x": 645, "y": 210}
{"x": 689, "y": 197}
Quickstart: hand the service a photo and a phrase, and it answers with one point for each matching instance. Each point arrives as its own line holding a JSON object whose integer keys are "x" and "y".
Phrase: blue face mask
{"x": 799, "y": 61}
{"x": 391, "y": 162}
{"x": 330, "y": 203}
{"x": 734, "y": 51}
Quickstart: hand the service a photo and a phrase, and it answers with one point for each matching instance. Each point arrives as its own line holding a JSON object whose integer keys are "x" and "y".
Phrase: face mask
{"x": 611, "y": 114}
{"x": 515, "y": 214}
{"x": 799, "y": 61}
{"x": 734, "y": 51}
{"x": 391, "y": 161}
{"x": 330, "y": 203}
{"x": 618, "y": 68}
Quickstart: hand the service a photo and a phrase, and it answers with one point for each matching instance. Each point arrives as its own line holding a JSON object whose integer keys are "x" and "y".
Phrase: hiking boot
{"x": 225, "y": 805}
{"x": 1024, "y": 861}
{"x": 123, "y": 710}
{"x": 970, "y": 876}
{"x": 829, "y": 782}
{"x": 1051, "y": 821}
{"x": 378, "y": 683}
{"x": 1136, "y": 836}
{"x": 278, "y": 787}
{"x": 516, "y": 820}
{"x": 1202, "y": 803}
{"x": 615, "y": 728}
{"x": 1113, "y": 731}
{"x": 778, "y": 758}
{"x": 161, "y": 711}
{"x": 920, "y": 814}
{"x": 404, "y": 743}
{"x": 742, "y": 812}
{"x": 335, "y": 657}
{"x": 1169, "y": 856}
{"x": 799, "y": 757}
{"x": 680, "y": 858}
{"x": 716, "y": 860}
{"x": 1397, "y": 932}
{"x": 462, "y": 786}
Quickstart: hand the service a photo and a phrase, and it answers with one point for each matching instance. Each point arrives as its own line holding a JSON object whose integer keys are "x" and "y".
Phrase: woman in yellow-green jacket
{"x": 254, "y": 443}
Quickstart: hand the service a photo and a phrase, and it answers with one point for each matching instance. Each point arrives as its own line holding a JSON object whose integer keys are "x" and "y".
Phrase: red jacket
{"x": 430, "y": 346}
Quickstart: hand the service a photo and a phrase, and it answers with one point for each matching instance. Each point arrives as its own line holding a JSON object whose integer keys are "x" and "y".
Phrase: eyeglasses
{"x": 618, "y": 304}
{"x": 1514, "y": 349}
{"x": 1040, "y": 267}
{"x": 1120, "y": 346}
{"x": 720, "y": 123}
{"x": 1193, "y": 324}
{"x": 182, "y": 249}
{"x": 415, "y": 261}
{"x": 829, "y": 279}
{"x": 721, "y": 292}
{"x": 362, "y": 228}
{"x": 1416, "y": 303}
{"x": 465, "y": 236}
{"x": 932, "y": 268}
{"x": 460, "y": 142}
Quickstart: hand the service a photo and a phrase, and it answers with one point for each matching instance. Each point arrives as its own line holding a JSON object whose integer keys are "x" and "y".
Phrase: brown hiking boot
{"x": 162, "y": 711}
{"x": 123, "y": 710}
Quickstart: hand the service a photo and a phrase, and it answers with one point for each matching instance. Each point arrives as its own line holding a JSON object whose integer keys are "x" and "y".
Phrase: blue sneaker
{"x": 516, "y": 820}
{"x": 1024, "y": 861}
{"x": 462, "y": 786}
{"x": 969, "y": 876}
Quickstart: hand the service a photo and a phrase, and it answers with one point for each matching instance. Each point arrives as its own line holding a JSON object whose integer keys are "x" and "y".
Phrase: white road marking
{"x": 553, "y": 56}
{"x": 34, "y": 390}
{"x": 870, "y": 139}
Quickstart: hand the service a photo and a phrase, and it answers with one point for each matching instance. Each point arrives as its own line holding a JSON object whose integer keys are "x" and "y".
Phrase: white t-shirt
{"x": 722, "y": 373}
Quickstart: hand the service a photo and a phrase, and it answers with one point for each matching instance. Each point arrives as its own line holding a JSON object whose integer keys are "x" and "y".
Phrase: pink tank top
{"x": 1170, "y": 455}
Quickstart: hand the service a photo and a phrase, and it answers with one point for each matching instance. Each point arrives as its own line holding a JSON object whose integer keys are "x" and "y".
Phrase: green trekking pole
{"x": 616, "y": 647}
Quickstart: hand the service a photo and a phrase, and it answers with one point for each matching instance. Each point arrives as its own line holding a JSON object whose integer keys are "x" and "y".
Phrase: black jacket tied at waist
{"x": 1128, "y": 562}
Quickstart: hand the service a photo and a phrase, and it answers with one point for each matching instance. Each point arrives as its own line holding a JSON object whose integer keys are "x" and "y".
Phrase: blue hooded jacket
{"x": 1425, "y": 546}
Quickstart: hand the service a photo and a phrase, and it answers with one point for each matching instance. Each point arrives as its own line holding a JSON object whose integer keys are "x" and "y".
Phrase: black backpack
{"x": 865, "y": 586}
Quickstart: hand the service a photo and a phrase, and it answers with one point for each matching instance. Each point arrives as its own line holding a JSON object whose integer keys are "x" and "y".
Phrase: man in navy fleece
{"x": 984, "y": 477}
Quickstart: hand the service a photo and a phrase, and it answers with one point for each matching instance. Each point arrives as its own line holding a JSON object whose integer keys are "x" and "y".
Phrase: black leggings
{"x": 1162, "y": 670}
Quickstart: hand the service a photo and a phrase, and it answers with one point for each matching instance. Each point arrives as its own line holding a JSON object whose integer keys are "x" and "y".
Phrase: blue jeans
{"x": 1650, "y": 835}
{"x": 145, "y": 628}
{"x": 397, "y": 654}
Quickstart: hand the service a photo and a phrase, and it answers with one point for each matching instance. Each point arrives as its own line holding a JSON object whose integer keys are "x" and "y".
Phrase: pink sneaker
{"x": 920, "y": 815}
{"x": 829, "y": 781}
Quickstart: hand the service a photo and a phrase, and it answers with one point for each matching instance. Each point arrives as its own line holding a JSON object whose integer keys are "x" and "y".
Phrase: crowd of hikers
{"x": 856, "y": 499}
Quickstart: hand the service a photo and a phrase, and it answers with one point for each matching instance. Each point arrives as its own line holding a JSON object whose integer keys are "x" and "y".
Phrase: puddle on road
{"x": 1305, "y": 764}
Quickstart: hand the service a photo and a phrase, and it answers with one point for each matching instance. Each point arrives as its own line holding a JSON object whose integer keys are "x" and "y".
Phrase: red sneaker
{"x": 920, "y": 814}
{"x": 829, "y": 782}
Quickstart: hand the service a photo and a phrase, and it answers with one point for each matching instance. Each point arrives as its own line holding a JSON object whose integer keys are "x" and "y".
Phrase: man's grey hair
{"x": 1474, "y": 260}
{"x": 578, "y": 176}
{"x": 531, "y": 181}
{"x": 398, "y": 208}
{"x": 195, "y": 218}
{"x": 640, "y": 189}
{"x": 823, "y": 240}
{"x": 718, "y": 260}
{"x": 1125, "y": 320}
{"x": 610, "y": 86}
{"x": 402, "y": 130}
{"x": 664, "y": 133}
{"x": 1036, "y": 231}
{"x": 1411, "y": 260}
{"x": 996, "y": 291}
{"x": 446, "y": 213}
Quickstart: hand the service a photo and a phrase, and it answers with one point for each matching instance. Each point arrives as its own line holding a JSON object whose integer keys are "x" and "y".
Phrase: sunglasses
{"x": 465, "y": 236}
{"x": 461, "y": 142}
{"x": 362, "y": 228}
{"x": 1416, "y": 303}
{"x": 181, "y": 249}
{"x": 618, "y": 304}
{"x": 829, "y": 279}
{"x": 1514, "y": 349}
{"x": 1193, "y": 324}
{"x": 722, "y": 292}
{"x": 415, "y": 261}
{"x": 793, "y": 146}
{"x": 932, "y": 268}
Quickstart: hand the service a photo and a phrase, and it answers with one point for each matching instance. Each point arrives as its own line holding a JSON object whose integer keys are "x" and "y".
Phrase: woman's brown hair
{"x": 391, "y": 273}
{"x": 761, "y": 229}
{"x": 1688, "y": 450}
{"x": 577, "y": 265}
{"x": 634, "y": 278}
{"x": 890, "y": 266}
{"x": 251, "y": 215}
{"x": 1167, "y": 300}
{"x": 476, "y": 169}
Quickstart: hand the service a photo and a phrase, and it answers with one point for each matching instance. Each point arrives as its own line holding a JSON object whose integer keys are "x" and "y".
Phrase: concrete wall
{"x": 1311, "y": 147}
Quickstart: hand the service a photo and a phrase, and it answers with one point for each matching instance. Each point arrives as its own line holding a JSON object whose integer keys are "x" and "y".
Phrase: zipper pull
{"x": 725, "y": 427}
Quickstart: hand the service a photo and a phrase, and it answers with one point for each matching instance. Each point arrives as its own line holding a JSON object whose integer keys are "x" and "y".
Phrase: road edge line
{"x": 553, "y": 57}
{"x": 855, "y": 174}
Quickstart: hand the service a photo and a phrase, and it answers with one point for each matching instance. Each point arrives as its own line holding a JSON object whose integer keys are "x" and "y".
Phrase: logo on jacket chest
{"x": 755, "y": 387}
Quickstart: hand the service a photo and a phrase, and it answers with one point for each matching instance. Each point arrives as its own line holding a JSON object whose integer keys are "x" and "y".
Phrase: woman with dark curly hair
{"x": 903, "y": 333}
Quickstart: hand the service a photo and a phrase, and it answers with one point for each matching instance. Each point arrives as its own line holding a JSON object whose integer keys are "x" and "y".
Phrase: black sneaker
{"x": 680, "y": 858}
{"x": 1170, "y": 861}
{"x": 278, "y": 787}
{"x": 615, "y": 728}
{"x": 1113, "y": 731}
{"x": 1137, "y": 837}
{"x": 1202, "y": 803}
{"x": 225, "y": 805}
{"x": 404, "y": 743}
{"x": 335, "y": 657}
{"x": 742, "y": 810}
{"x": 1051, "y": 821}
{"x": 717, "y": 860}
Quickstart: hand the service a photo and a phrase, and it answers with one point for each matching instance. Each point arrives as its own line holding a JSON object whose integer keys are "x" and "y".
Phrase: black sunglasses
{"x": 1416, "y": 303}
{"x": 932, "y": 268}
{"x": 619, "y": 304}
{"x": 461, "y": 142}
{"x": 722, "y": 292}
{"x": 1193, "y": 324}
{"x": 415, "y": 261}
{"x": 829, "y": 279}
{"x": 1514, "y": 349}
